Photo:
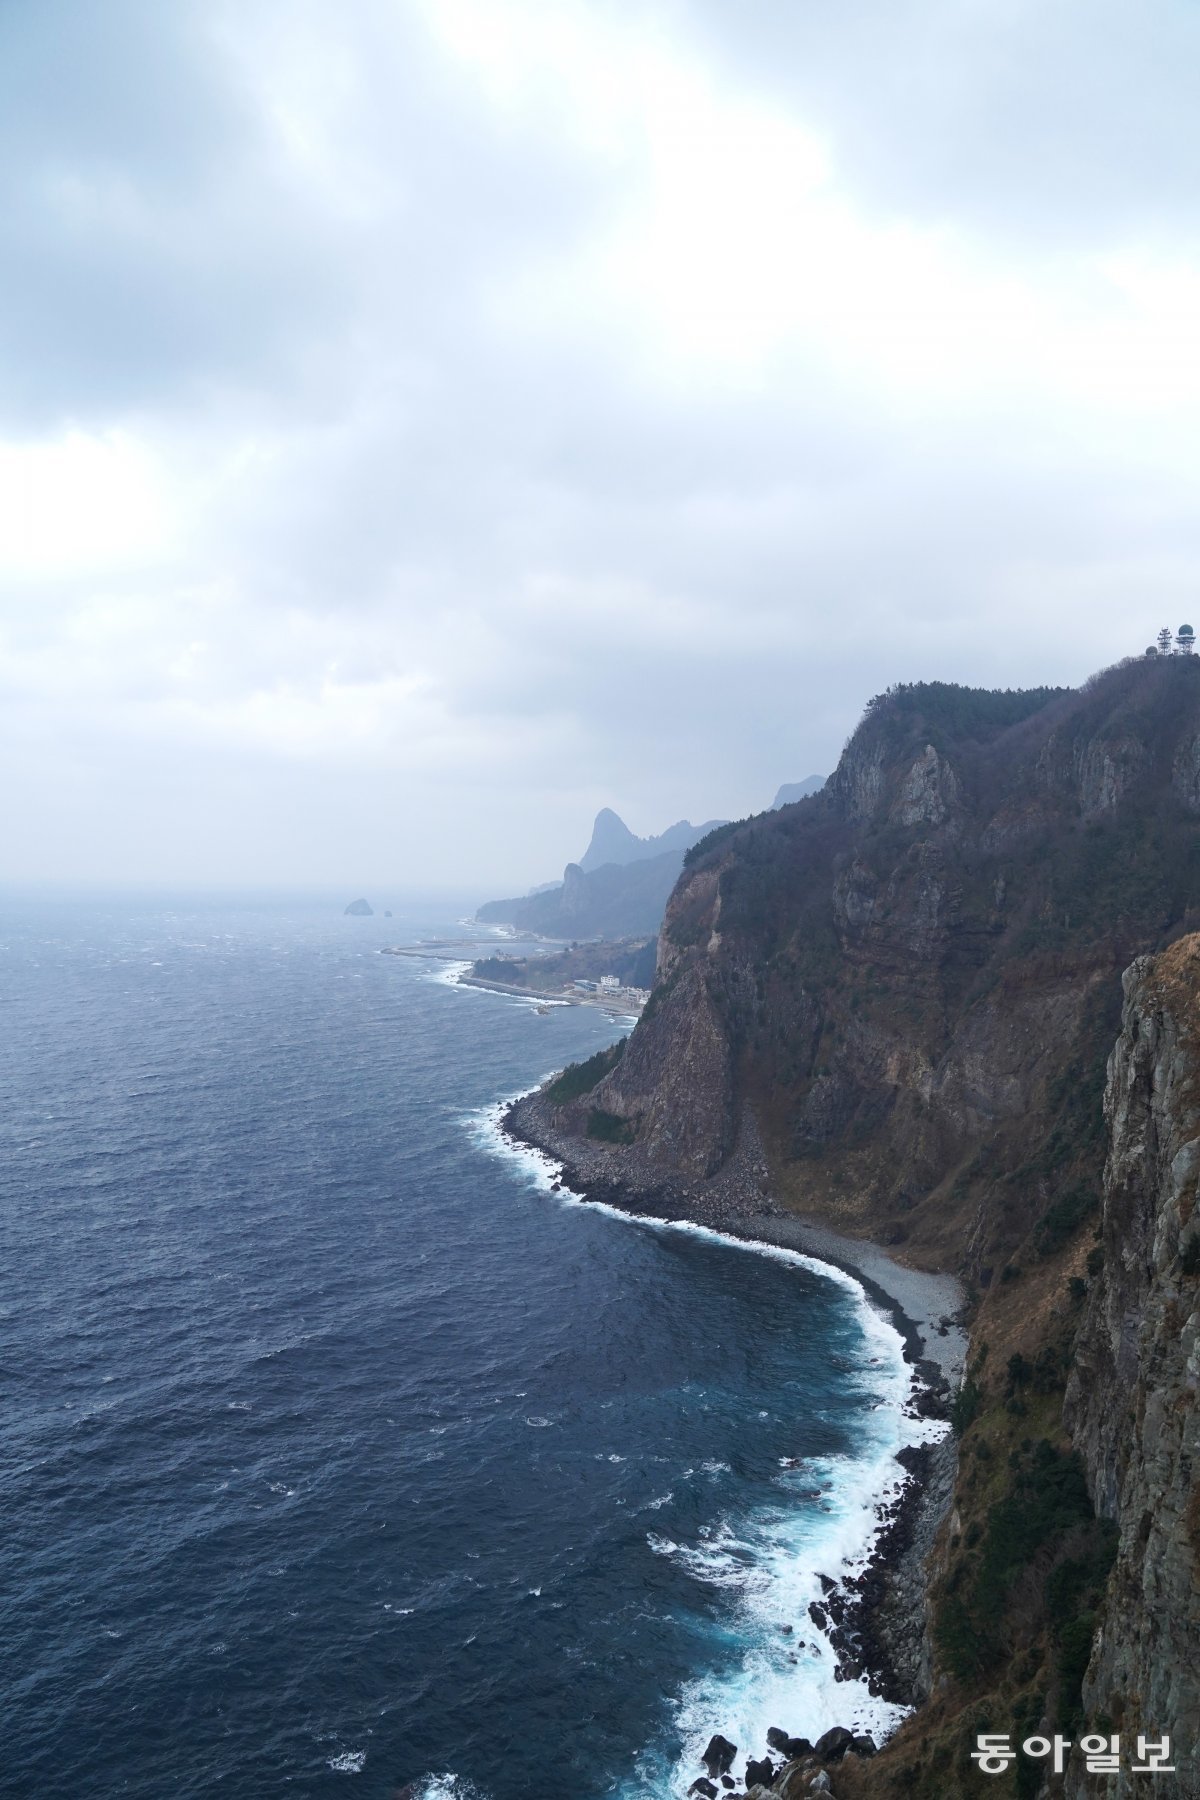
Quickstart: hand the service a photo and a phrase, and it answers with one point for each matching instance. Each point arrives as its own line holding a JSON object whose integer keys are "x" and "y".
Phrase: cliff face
{"x": 907, "y": 984}
{"x": 1131, "y": 1403}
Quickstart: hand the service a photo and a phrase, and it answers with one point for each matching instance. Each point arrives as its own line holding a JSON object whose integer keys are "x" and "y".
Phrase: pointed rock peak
{"x": 612, "y": 841}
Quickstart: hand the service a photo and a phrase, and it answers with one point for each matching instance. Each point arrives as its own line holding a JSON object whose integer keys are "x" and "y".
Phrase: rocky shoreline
{"x": 877, "y": 1621}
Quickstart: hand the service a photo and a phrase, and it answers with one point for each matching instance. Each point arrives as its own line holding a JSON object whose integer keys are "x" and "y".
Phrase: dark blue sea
{"x": 339, "y": 1453}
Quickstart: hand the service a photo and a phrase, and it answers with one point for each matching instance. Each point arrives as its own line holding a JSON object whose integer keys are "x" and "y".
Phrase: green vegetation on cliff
{"x": 580, "y": 1078}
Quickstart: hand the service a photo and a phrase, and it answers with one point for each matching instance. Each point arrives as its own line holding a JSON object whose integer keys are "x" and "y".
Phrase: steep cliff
{"x": 892, "y": 1007}
{"x": 1131, "y": 1403}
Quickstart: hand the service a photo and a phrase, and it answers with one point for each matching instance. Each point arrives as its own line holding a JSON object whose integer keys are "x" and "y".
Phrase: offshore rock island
{"x": 950, "y": 1006}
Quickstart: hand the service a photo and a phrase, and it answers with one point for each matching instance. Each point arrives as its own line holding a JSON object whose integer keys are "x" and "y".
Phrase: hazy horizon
{"x": 425, "y": 422}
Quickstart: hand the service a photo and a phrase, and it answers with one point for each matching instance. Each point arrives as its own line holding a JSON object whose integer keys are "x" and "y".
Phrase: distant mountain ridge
{"x": 618, "y": 888}
{"x": 791, "y": 791}
{"x": 613, "y": 842}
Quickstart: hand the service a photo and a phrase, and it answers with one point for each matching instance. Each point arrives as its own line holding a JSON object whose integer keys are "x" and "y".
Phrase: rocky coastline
{"x": 877, "y": 1622}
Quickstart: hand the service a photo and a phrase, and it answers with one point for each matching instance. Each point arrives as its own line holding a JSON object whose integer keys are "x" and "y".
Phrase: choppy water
{"x": 338, "y": 1452}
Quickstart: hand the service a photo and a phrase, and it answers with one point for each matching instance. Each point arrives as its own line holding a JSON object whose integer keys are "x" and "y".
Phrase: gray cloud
{"x": 1052, "y": 123}
{"x": 431, "y": 440}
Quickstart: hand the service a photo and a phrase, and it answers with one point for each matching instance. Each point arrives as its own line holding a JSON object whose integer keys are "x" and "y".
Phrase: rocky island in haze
{"x": 360, "y": 909}
{"x": 951, "y": 1005}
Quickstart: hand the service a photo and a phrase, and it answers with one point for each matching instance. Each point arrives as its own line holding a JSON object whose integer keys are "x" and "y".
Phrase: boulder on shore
{"x": 834, "y": 1745}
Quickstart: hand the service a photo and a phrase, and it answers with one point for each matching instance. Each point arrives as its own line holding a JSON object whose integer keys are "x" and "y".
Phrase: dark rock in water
{"x": 704, "y": 1786}
{"x": 827, "y": 1582}
{"x": 818, "y": 1615}
{"x": 863, "y": 1746}
{"x": 786, "y": 1630}
{"x": 387, "y": 915}
{"x": 760, "y": 1772}
{"x": 718, "y": 1758}
{"x": 727, "y": 1781}
{"x": 360, "y": 909}
{"x": 777, "y": 1739}
{"x": 798, "y": 1747}
{"x": 834, "y": 1745}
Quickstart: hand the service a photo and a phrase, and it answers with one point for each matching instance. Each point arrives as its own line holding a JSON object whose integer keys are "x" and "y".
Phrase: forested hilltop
{"x": 898, "y": 1000}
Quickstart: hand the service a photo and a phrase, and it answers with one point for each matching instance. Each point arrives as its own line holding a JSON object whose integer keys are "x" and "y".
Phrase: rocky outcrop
{"x": 1097, "y": 769}
{"x": 689, "y": 1140}
{"x": 1132, "y": 1403}
{"x": 928, "y": 792}
{"x": 1185, "y": 774}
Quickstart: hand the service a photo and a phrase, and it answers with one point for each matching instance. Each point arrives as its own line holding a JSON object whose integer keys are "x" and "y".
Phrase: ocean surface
{"x": 339, "y": 1452}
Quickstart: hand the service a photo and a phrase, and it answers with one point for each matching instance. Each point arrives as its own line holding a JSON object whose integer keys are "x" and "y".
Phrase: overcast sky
{"x": 423, "y": 422}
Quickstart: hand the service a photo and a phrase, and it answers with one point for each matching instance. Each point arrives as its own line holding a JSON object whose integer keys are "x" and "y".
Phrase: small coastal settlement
{"x": 607, "y": 991}
{"x": 593, "y": 974}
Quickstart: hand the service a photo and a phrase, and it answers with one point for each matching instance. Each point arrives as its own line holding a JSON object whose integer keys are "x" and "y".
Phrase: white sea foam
{"x": 348, "y": 1762}
{"x": 447, "y": 1787}
{"x": 769, "y": 1563}
{"x": 447, "y": 975}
